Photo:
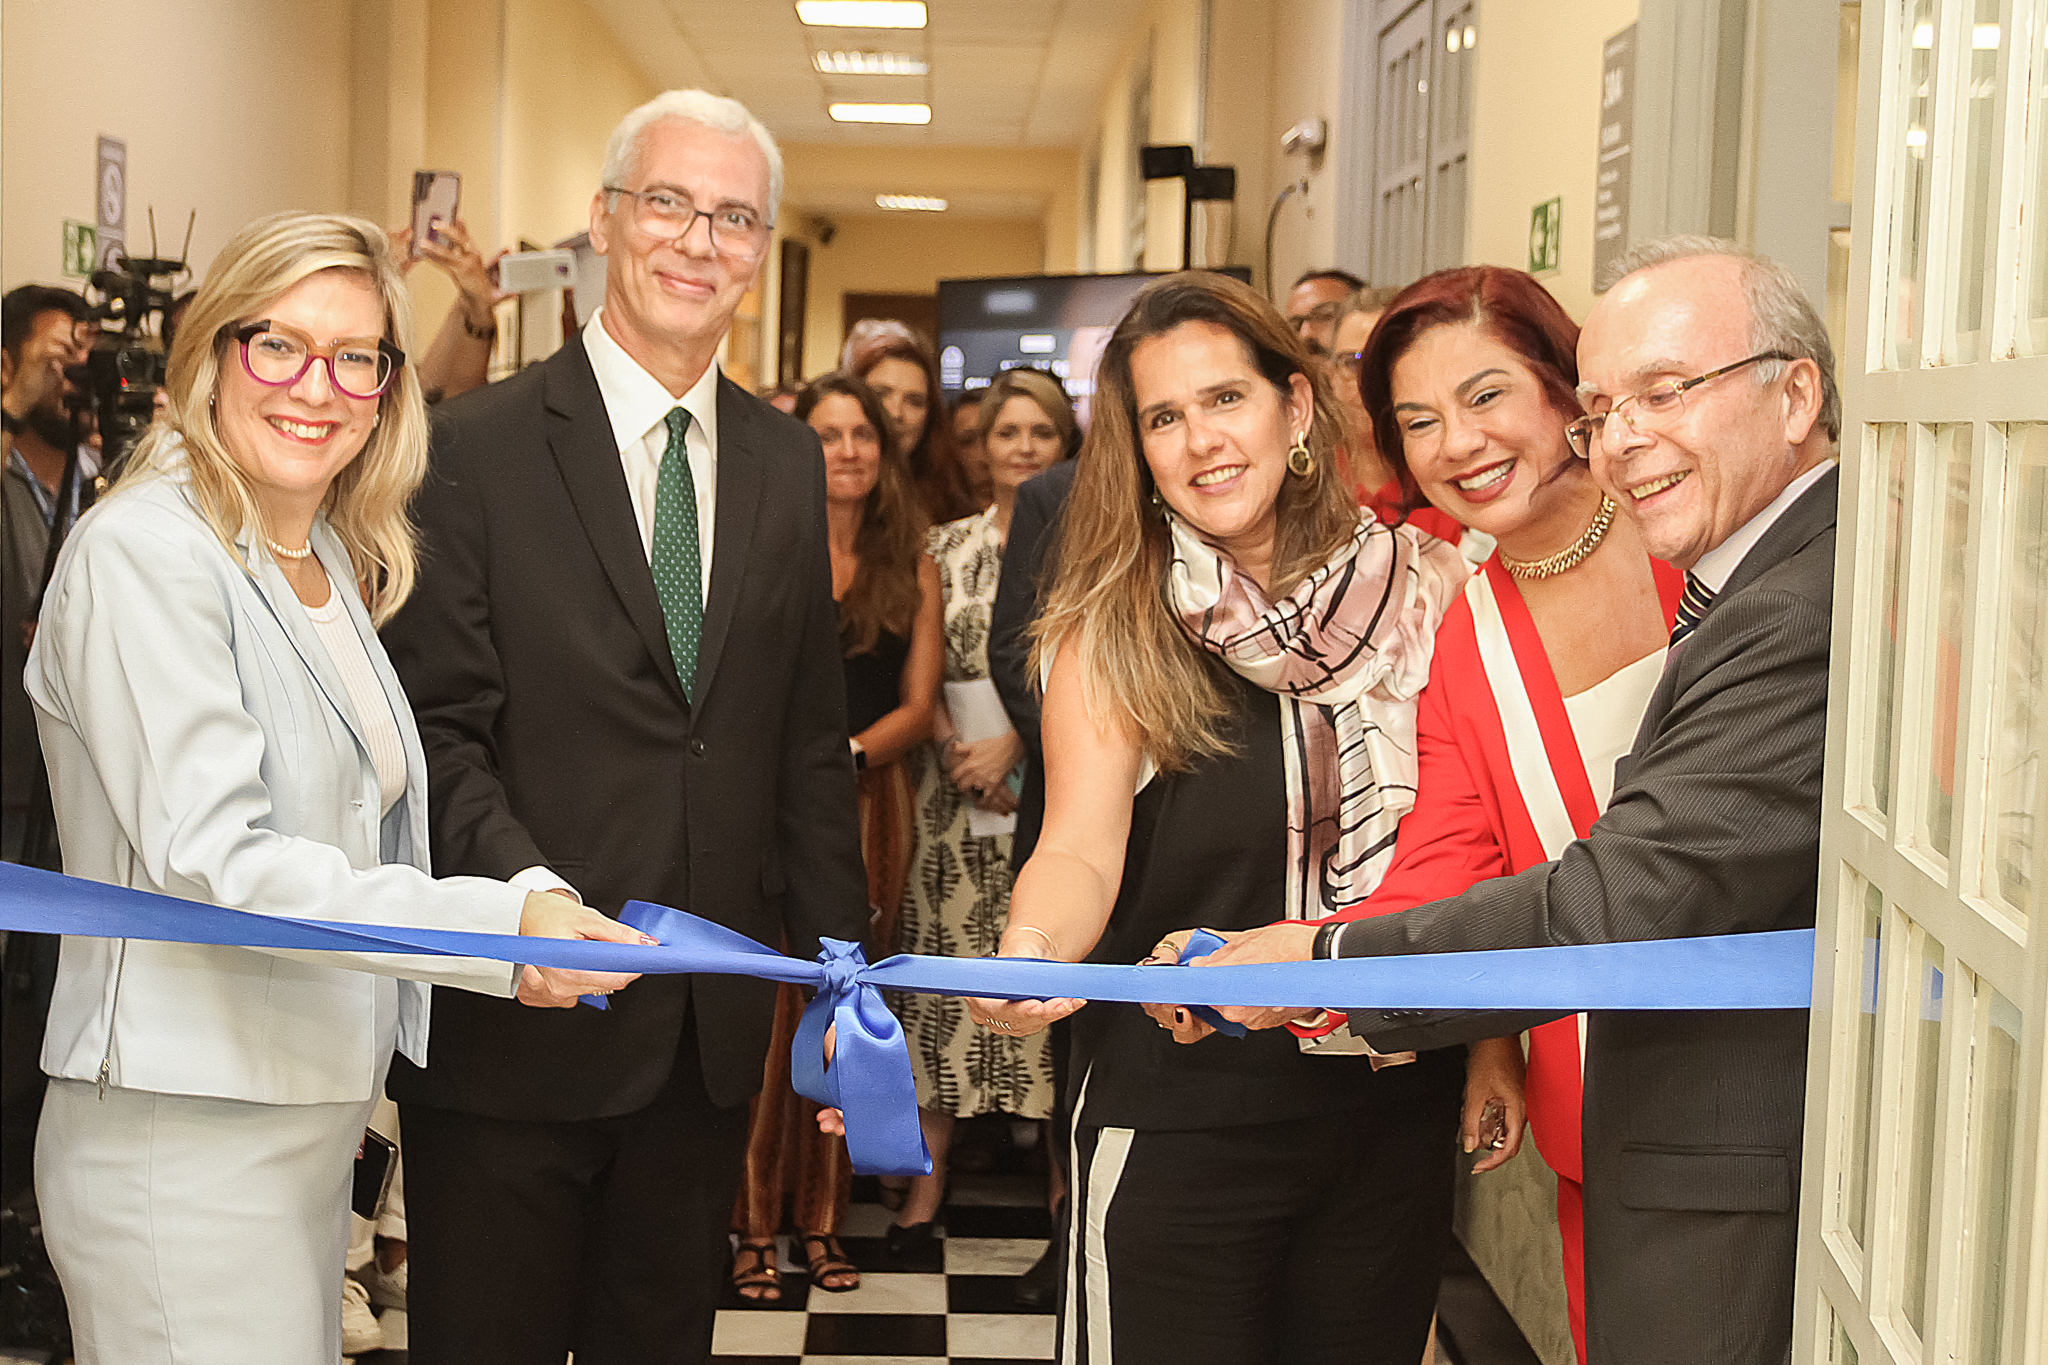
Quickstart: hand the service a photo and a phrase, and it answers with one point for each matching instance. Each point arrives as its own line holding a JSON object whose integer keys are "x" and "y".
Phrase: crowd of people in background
{"x": 1335, "y": 633}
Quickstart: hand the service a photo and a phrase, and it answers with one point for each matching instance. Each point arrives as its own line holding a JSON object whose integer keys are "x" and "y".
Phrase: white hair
{"x": 622, "y": 150}
{"x": 1781, "y": 317}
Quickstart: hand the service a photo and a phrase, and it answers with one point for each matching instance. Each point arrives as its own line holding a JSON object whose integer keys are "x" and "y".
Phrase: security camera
{"x": 825, "y": 229}
{"x": 1306, "y": 137}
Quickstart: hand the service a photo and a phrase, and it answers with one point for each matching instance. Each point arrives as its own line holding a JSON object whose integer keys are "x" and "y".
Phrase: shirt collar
{"x": 1718, "y": 565}
{"x": 637, "y": 402}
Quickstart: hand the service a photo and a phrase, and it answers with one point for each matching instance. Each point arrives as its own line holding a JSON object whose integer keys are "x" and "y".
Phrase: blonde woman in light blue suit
{"x": 221, "y": 724}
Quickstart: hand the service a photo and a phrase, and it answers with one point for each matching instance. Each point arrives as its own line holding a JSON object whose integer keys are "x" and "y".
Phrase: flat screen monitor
{"x": 1056, "y": 323}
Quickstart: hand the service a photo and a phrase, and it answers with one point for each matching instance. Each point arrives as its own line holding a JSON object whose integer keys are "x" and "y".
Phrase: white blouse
{"x": 352, "y": 660}
{"x": 1606, "y": 716}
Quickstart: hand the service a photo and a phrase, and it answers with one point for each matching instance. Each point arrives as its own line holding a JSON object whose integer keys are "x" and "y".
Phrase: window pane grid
{"x": 2019, "y": 681}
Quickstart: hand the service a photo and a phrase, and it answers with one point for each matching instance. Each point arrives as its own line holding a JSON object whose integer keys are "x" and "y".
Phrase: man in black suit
{"x": 1710, "y": 384}
{"x": 625, "y": 661}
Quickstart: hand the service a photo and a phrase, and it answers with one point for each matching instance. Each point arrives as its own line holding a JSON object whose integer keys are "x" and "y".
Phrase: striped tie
{"x": 677, "y": 559}
{"x": 1692, "y": 605}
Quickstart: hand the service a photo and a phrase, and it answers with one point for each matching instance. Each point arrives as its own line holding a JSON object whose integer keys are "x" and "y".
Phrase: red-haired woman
{"x": 897, "y": 363}
{"x": 1544, "y": 666}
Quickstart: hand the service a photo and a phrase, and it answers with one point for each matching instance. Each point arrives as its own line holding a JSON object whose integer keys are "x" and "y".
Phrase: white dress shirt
{"x": 638, "y": 405}
{"x": 1718, "y": 565}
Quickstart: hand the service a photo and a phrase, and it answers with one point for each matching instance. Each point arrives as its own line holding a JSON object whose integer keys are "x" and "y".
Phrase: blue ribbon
{"x": 870, "y": 1078}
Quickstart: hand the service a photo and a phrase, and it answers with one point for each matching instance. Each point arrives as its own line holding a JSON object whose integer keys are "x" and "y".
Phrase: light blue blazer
{"x": 200, "y": 742}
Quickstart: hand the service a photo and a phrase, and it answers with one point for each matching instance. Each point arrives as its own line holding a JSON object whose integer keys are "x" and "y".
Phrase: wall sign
{"x": 81, "y": 249}
{"x": 1617, "y": 139}
{"x": 110, "y": 198}
{"x": 1545, "y": 221}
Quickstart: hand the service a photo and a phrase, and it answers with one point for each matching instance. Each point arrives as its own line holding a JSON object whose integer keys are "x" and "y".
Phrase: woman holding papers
{"x": 958, "y": 897}
{"x": 222, "y": 725}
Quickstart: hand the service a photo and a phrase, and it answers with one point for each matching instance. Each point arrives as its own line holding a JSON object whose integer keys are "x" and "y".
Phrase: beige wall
{"x": 567, "y": 85}
{"x": 1168, "y": 42}
{"x": 1306, "y": 78}
{"x": 1540, "y": 58}
{"x": 906, "y": 254}
{"x": 193, "y": 139}
{"x": 517, "y": 95}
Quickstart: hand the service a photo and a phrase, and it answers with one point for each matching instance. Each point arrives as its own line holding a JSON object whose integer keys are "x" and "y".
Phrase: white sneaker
{"x": 387, "y": 1288}
{"x": 360, "y": 1330}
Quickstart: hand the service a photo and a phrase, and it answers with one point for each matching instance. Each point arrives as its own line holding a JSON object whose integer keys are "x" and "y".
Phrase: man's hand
{"x": 1287, "y": 941}
{"x": 549, "y": 915}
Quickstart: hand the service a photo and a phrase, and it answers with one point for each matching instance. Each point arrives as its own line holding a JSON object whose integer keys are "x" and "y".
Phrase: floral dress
{"x": 957, "y": 899}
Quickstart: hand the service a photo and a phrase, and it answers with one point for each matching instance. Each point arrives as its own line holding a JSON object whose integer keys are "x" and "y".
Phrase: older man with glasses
{"x": 625, "y": 660}
{"x": 1711, "y": 419}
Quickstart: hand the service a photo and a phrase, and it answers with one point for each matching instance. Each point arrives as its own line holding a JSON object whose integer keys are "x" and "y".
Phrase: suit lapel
{"x": 285, "y": 607}
{"x": 740, "y": 477}
{"x": 580, "y": 437}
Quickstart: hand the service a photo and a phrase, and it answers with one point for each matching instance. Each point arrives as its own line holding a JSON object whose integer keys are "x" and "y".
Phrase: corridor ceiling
{"x": 1003, "y": 73}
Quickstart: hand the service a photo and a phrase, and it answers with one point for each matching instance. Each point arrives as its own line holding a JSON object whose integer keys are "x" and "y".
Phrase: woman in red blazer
{"x": 1543, "y": 667}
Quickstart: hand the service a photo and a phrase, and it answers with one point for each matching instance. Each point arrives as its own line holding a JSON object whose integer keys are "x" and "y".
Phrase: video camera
{"x": 119, "y": 380}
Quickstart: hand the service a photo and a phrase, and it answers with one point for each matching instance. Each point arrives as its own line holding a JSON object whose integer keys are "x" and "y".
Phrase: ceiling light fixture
{"x": 861, "y": 13}
{"x": 880, "y": 113}
{"x": 869, "y": 64}
{"x": 922, "y": 203}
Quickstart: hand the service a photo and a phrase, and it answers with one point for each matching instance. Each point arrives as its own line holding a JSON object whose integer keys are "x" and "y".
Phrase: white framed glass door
{"x": 1924, "y": 1212}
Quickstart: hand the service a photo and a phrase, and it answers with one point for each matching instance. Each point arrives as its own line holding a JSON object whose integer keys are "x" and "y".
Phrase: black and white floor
{"x": 955, "y": 1303}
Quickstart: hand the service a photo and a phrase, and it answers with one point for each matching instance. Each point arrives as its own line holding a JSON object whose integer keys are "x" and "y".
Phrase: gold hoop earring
{"x": 1299, "y": 461}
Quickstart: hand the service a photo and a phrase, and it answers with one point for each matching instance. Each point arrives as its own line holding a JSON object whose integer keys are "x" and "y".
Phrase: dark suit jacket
{"x": 557, "y": 733}
{"x": 1692, "y": 1120}
{"x": 1034, "y": 524}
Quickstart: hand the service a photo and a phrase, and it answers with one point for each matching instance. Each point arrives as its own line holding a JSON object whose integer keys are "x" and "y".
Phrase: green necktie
{"x": 677, "y": 560}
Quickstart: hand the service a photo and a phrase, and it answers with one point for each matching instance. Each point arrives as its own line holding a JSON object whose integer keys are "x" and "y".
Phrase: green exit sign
{"x": 81, "y": 248}
{"x": 1544, "y": 234}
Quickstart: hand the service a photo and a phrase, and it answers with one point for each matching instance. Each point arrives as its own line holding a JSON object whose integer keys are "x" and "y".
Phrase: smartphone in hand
{"x": 435, "y": 197}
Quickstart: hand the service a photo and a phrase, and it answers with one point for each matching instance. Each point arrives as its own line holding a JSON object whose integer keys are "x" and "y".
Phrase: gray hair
{"x": 1373, "y": 298}
{"x": 1780, "y": 316}
{"x": 622, "y": 150}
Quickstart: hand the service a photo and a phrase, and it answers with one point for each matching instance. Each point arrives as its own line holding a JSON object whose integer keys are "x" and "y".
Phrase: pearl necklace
{"x": 1571, "y": 555}
{"x": 299, "y": 553}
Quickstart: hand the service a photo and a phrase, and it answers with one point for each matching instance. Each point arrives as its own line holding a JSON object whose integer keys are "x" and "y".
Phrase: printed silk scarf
{"x": 1347, "y": 652}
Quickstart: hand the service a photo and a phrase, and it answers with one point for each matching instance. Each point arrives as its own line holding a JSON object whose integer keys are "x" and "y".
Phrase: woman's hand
{"x": 475, "y": 278}
{"x": 977, "y": 769}
{"x": 547, "y": 914}
{"x": 1022, "y": 1018}
{"x": 1496, "y": 1113}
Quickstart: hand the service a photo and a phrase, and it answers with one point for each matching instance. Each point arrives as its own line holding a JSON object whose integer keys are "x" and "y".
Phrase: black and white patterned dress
{"x": 957, "y": 899}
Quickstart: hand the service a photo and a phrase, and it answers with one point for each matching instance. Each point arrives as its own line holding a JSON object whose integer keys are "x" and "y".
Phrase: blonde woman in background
{"x": 221, "y": 725}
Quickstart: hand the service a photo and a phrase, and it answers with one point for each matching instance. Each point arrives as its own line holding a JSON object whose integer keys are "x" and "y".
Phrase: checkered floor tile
{"x": 954, "y": 1304}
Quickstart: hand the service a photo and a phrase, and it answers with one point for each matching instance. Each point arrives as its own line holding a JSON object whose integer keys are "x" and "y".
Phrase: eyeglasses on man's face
{"x": 277, "y": 355}
{"x": 667, "y": 214}
{"x": 1657, "y": 405}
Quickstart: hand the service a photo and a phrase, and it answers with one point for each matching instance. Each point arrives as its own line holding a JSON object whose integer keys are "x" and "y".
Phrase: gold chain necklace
{"x": 1571, "y": 555}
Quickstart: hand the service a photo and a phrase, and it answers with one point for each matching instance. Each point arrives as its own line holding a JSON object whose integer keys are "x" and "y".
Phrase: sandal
{"x": 758, "y": 1281}
{"x": 827, "y": 1263}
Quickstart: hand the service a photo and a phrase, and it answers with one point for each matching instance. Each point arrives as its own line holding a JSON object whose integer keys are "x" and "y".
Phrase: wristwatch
{"x": 860, "y": 756}
{"x": 1325, "y": 945}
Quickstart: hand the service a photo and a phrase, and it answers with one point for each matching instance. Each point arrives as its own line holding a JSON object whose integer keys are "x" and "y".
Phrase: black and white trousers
{"x": 1305, "y": 1241}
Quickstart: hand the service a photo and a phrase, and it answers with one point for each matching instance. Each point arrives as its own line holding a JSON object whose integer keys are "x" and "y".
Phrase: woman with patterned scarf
{"x": 1231, "y": 654}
